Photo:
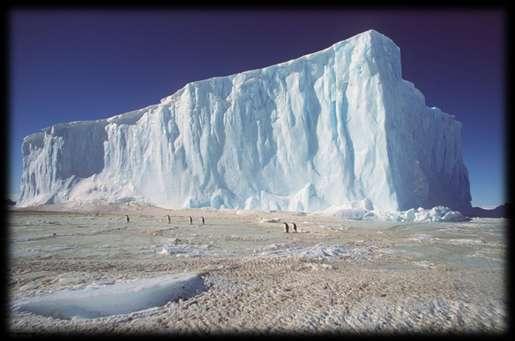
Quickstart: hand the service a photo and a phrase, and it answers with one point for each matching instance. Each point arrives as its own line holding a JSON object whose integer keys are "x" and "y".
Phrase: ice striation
{"x": 328, "y": 129}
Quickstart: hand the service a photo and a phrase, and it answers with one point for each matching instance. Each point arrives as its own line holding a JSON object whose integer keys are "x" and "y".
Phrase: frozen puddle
{"x": 121, "y": 298}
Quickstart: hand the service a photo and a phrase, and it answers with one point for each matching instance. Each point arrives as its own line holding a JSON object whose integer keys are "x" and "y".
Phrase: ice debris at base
{"x": 120, "y": 298}
{"x": 331, "y": 127}
{"x": 419, "y": 215}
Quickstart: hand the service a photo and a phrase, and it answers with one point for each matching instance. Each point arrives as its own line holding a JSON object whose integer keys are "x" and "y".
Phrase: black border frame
{"x": 278, "y": 5}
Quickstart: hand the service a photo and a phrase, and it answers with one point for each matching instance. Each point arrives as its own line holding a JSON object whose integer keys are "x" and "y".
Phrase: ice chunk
{"x": 420, "y": 215}
{"x": 319, "y": 251}
{"x": 184, "y": 250}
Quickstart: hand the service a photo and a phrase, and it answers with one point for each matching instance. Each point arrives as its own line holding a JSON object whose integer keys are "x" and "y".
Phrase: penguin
{"x": 294, "y": 227}
{"x": 169, "y": 219}
{"x": 286, "y": 227}
{"x": 127, "y": 217}
{"x": 191, "y": 220}
{"x": 203, "y": 221}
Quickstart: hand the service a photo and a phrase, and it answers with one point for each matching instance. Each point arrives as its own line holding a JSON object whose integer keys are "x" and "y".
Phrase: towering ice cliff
{"x": 327, "y": 129}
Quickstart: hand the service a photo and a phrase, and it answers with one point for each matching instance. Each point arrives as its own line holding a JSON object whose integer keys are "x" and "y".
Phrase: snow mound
{"x": 115, "y": 299}
{"x": 319, "y": 251}
{"x": 421, "y": 238}
{"x": 272, "y": 220}
{"x": 465, "y": 241}
{"x": 185, "y": 250}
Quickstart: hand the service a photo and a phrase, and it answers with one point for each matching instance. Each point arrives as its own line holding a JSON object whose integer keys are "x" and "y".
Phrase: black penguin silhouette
{"x": 191, "y": 220}
{"x": 169, "y": 219}
{"x": 127, "y": 217}
{"x": 286, "y": 227}
{"x": 203, "y": 221}
{"x": 294, "y": 227}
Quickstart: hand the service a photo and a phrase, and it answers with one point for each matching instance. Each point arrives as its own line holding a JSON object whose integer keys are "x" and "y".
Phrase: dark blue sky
{"x": 89, "y": 64}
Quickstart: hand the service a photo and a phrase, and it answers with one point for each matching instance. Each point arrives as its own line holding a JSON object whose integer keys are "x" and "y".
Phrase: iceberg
{"x": 328, "y": 129}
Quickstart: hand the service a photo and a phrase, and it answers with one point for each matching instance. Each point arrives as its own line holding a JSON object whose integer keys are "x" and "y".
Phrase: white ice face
{"x": 327, "y": 129}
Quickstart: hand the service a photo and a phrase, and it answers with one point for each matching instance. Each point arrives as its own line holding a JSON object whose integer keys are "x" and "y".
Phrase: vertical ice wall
{"x": 327, "y": 129}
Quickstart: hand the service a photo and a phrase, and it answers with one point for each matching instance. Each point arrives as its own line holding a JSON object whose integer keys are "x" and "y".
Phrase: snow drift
{"x": 327, "y": 129}
{"x": 319, "y": 251}
{"x": 121, "y": 298}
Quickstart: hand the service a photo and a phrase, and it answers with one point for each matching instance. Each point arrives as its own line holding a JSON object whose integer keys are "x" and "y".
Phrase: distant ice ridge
{"x": 327, "y": 129}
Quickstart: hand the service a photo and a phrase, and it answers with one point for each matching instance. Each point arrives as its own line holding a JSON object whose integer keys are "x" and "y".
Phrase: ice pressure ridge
{"x": 328, "y": 129}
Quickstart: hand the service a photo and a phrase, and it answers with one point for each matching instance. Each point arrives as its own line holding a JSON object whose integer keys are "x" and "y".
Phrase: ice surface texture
{"x": 327, "y": 129}
{"x": 122, "y": 298}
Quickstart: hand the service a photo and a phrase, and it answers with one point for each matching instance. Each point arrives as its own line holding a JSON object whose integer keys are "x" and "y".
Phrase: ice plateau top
{"x": 330, "y": 129}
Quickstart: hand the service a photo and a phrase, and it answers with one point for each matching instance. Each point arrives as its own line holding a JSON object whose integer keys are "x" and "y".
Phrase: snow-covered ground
{"x": 93, "y": 271}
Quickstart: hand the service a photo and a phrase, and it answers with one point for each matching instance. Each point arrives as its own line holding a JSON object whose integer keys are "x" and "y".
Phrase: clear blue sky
{"x": 90, "y": 64}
